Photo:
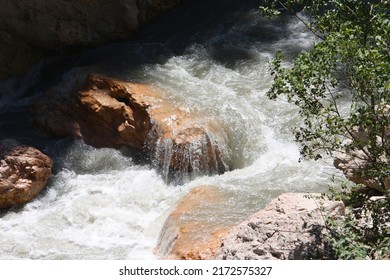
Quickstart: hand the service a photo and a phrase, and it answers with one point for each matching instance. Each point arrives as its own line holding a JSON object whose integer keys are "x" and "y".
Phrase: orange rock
{"x": 107, "y": 112}
{"x": 186, "y": 248}
{"x": 188, "y": 234}
{"x": 23, "y": 173}
{"x": 109, "y": 116}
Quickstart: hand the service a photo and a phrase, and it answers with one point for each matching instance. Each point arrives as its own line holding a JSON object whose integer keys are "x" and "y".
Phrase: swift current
{"x": 111, "y": 204}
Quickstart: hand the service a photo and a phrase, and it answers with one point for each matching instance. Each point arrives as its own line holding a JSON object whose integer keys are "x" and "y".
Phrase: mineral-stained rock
{"x": 289, "y": 227}
{"x": 188, "y": 234}
{"x": 24, "y": 172}
{"x": 31, "y": 29}
{"x": 106, "y": 112}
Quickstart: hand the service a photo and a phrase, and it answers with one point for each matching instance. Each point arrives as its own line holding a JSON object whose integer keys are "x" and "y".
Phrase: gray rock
{"x": 290, "y": 227}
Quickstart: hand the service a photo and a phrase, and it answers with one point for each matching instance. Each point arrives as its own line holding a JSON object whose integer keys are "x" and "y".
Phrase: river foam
{"x": 103, "y": 204}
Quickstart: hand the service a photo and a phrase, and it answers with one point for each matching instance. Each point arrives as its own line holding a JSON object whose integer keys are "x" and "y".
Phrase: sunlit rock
{"x": 355, "y": 162}
{"x": 189, "y": 234}
{"x": 106, "y": 112}
{"x": 24, "y": 172}
{"x": 292, "y": 226}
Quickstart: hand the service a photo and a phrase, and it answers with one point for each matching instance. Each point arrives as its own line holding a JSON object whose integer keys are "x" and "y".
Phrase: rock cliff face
{"x": 106, "y": 112}
{"x": 24, "y": 172}
{"x": 31, "y": 29}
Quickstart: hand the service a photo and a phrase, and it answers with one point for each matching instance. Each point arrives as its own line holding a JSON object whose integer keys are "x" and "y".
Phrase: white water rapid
{"x": 103, "y": 204}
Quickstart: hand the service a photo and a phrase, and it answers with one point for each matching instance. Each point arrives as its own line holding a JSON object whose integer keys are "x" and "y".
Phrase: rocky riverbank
{"x": 291, "y": 226}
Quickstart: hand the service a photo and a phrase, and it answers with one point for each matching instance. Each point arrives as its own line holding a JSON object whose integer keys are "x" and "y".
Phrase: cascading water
{"x": 196, "y": 150}
{"x": 105, "y": 204}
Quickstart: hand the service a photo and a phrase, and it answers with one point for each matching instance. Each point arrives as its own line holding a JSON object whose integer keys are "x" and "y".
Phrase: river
{"x": 108, "y": 204}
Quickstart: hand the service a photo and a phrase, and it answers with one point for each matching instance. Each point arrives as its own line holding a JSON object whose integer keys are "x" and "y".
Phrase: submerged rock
{"x": 291, "y": 226}
{"x": 188, "y": 234}
{"x": 31, "y": 29}
{"x": 107, "y": 112}
{"x": 24, "y": 172}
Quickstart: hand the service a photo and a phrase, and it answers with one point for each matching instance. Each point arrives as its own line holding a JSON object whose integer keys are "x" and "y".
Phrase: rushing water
{"x": 109, "y": 204}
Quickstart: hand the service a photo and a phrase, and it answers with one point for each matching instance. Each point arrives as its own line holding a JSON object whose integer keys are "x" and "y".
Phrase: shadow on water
{"x": 210, "y": 23}
{"x": 227, "y": 30}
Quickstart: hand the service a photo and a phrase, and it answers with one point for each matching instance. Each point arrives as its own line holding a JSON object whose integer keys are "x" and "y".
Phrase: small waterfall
{"x": 197, "y": 149}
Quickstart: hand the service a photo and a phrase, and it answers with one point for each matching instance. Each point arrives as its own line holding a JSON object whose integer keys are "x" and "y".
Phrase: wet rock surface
{"x": 107, "y": 112}
{"x": 187, "y": 234}
{"x": 24, "y": 172}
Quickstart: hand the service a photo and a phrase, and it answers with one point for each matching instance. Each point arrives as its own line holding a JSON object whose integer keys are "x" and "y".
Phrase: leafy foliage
{"x": 364, "y": 232}
{"x": 342, "y": 89}
{"x": 350, "y": 62}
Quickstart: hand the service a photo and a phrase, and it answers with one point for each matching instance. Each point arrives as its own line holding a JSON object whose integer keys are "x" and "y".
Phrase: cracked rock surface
{"x": 290, "y": 227}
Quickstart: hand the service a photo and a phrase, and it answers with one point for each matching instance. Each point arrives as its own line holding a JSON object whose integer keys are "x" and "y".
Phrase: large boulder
{"x": 24, "y": 172}
{"x": 291, "y": 226}
{"x": 107, "y": 112}
{"x": 31, "y": 29}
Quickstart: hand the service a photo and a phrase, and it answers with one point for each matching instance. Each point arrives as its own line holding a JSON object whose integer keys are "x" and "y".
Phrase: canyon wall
{"x": 33, "y": 29}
